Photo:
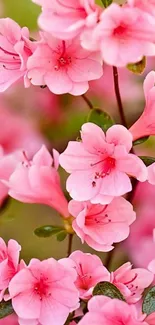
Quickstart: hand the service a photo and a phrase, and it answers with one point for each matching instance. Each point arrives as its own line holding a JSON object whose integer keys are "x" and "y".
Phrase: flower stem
{"x": 109, "y": 259}
{"x": 70, "y": 242}
{"x": 87, "y": 101}
{"x": 118, "y": 96}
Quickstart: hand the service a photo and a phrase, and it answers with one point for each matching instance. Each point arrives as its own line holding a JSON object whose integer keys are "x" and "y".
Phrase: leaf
{"x": 149, "y": 301}
{"x": 62, "y": 235}
{"x": 147, "y": 160}
{"x": 107, "y": 289}
{"x": 107, "y": 3}
{"x": 140, "y": 141}
{"x": 139, "y": 67}
{"x": 100, "y": 118}
{"x": 47, "y": 231}
{"x": 6, "y": 309}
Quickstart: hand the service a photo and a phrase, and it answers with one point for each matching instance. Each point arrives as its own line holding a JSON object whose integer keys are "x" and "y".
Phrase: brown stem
{"x": 109, "y": 259}
{"x": 87, "y": 101}
{"x": 70, "y": 242}
{"x": 118, "y": 96}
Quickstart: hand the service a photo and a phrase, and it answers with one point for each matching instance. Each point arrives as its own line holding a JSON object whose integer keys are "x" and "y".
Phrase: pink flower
{"x": 99, "y": 165}
{"x": 90, "y": 271}
{"x": 40, "y": 181}
{"x": 14, "y": 51}
{"x": 102, "y": 225}
{"x": 131, "y": 282}
{"x": 9, "y": 261}
{"x": 106, "y": 311}
{"x": 145, "y": 125}
{"x": 66, "y": 19}
{"x": 127, "y": 33}
{"x": 63, "y": 66}
{"x": 8, "y": 164}
{"x": 141, "y": 230}
{"x": 44, "y": 292}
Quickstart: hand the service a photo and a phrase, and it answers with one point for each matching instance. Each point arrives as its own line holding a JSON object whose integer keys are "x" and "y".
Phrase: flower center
{"x": 120, "y": 30}
{"x": 64, "y": 59}
{"x": 63, "y": 62}
{"x": 41, "y": 288}
{"x": 83, "y": 280}
{"x": 107, "y": 165}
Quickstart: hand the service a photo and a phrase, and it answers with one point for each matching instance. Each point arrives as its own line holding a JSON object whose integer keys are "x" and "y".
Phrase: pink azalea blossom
{"x": 100, "y": 165}
{"x": 102, "y": 225}
{"x": 66, "y": 19}
{"x": 8, "y": 164}
{"x": 44, "y": 292}
{"x": 145, "y": 125}
{"x": 141, "y": 231}
{"x": 131, "y": 282}
{"x": 40, "y": 181}
{"x": 90, "y": 271}
{"x": 63, "y": 66}
{"x": 127, "y": 33}
{"x": 9, "y": 263}
{"x": 106, "y": 311}
{"x": 14, "y": 51}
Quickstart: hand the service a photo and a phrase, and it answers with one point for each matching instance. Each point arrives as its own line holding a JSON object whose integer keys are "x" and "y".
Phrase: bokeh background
{"x": 54, "y": 120}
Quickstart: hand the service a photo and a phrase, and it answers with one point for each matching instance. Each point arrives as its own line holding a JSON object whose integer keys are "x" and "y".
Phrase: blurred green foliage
{"x": 25, "y": 12}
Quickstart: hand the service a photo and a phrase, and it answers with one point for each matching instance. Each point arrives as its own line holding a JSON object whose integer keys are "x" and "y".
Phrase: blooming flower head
{"x": 44, "y": 292}
{"x": 102, "y": 225}
{"x": 131, "y": 282}
{"x": 40, "y": 181}
{"x": 65, "y": 19}
{"x": 15, "y": 49}
{"x": 90, "y": 271}
{"x": 145, "y": 125}
{"x": 106, "y": 311}
{"x": 100, "y": 164}
{"x": 9, "y": 262}
{"x": 128, "y": 34}
{"x": 63, "y": 66}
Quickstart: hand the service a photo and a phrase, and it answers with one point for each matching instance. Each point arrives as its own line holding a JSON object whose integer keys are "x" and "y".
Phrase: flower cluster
{"x": 74, "y": 39}
{"x": 42, "y": 288}
{"x": 77, "y": 38}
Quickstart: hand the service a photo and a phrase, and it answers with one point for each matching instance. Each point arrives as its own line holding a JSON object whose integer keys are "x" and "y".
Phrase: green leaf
{"x": 107, "y": 3}
{"x": 140, "y": 141}
{"x": 139, "y": 67}
{"x": 149, "y": 302}
{"x": 47, "y": 231}
{"x": 147, "y": 160}
{"x": 100, "y": 118}
{"x": 62, "y": 235}
{"x": 6, "y": 309}
{"x": 107, "y": 289}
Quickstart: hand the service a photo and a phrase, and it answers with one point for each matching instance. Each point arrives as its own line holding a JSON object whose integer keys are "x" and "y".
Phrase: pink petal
{"x": 119, "y": 135}
{"x": 133, "y": 166}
